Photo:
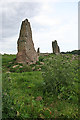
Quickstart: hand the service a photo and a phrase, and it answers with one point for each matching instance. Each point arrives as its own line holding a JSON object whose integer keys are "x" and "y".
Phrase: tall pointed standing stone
{"x": 55, "y": 47}
{"x": 26, "y": 51}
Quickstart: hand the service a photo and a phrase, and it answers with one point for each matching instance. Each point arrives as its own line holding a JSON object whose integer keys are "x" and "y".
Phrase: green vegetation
{"x": 47, "y": 89}
{"x": 72, "y": 52}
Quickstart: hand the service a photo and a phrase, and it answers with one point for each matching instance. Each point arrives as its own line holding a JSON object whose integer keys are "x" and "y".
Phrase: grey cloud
{"x": 14, "y": 13}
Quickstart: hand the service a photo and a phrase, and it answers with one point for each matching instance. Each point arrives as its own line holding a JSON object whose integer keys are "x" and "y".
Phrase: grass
{"x": 26, "y": 95}
{"x": 7, "y": 61}
{"x": 22, "y": 90}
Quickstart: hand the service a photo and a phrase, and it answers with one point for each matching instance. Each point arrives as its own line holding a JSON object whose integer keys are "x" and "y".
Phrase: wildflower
{"x": 50, "y": 112}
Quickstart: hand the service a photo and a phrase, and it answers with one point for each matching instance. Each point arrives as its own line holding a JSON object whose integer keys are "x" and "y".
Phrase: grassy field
{"x": 47, "y": 89}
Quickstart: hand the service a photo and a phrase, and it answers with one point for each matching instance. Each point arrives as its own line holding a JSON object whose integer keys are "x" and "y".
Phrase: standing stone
{"x": 26, "y": 51}
{"x": 55, "y": 47}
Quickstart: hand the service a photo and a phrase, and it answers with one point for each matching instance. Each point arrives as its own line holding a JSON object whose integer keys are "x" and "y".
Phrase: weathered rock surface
{"x": 55, "y": 47}
{"x": 26, "y": 51}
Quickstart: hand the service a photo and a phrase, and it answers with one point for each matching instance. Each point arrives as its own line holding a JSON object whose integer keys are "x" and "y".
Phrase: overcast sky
{"x": 50, "y": 20}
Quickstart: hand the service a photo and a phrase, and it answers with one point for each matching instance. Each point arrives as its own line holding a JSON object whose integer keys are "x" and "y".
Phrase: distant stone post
{"x": 38, "y": 51}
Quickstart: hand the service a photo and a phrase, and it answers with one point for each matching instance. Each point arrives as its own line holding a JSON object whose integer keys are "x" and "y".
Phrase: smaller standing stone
{"x": 55, "y": 47}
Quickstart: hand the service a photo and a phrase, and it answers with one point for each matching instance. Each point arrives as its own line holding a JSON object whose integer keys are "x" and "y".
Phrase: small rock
{"x": 39, "y": 69}
{"x": 42, "y": 63}
{"x": 21, "y": 67}
{"x": 15, "y": 66}
{"x": 8, "y": 72}
{"x": 33, "y": 68}
{"x": 39, "y": 98}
